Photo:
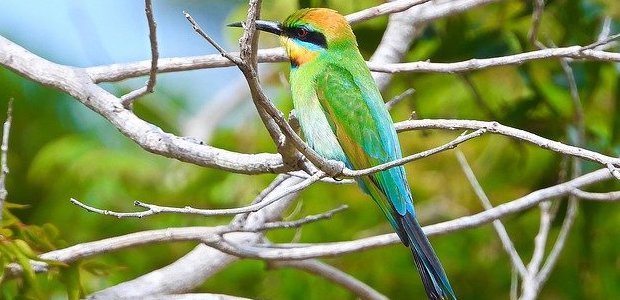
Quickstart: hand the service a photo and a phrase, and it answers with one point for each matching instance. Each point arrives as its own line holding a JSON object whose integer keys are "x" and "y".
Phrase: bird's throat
{"x": 299, "y": 54}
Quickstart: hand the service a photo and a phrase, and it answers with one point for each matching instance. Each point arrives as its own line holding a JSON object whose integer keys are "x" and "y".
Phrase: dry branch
{"x": 77, "y": 83}
{"x": 128, "y": 98}
{"x": 495, "y": 127}
{"x": 4, "y": 149}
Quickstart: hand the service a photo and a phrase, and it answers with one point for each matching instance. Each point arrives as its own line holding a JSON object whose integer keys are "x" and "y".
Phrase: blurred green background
{"x": 59, "y": 149}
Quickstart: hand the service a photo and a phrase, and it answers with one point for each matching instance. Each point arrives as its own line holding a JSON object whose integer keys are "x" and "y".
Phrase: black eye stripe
{"x": 305, "y": 34}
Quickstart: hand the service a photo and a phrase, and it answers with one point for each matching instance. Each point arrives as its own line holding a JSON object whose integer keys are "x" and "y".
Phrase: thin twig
{"x": 603, "y": 42}
{"x": 605, "y": 197}
{"x": 612, "y": 163}
{"x": 383, "y": 9}
{"x": 152, "y": 209}
{"x": 569, "y": 219}
{"x": 575, "y": 52}
{"x": 532, "y": 35}
{"x": 303, "y": 221}
{"x": 128, "y": 98}
{"x": 516, "y": 260}
{"x": 118, "y": 72}
{"x": 392, "y": 102}
{"x": 302, "y": 174}
{"x": 573, "y": 202}
{"x": 4, "y": 150}
{"x": 540, "y": 240}
{"x": 532, "y": 286}
{"x": 272, "y": 186}
{"x": 514, "y": 283}
{"x": 451, "y": 145}
{"x": 360, "y": 289}
{"x": 234, "y": 59}
{"x": 248, "y": 43}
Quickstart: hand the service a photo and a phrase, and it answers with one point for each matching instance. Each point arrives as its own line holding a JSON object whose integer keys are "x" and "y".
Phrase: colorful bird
{"x": 343, "y": 117}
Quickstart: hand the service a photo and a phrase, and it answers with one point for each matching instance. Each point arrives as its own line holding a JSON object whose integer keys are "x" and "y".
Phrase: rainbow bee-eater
{"x": 343, "y": 117}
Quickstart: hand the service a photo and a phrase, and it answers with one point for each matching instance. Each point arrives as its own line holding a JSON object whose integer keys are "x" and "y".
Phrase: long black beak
{"x": 268, "y": 26}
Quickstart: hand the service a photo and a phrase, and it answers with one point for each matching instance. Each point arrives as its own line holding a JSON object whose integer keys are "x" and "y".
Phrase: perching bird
{"x": 343, "y": 117}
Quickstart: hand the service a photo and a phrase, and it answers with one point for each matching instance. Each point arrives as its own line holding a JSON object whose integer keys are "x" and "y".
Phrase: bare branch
{"x": 248, "y": 43}
{"x": 212, "y": 235}
{"x": 509, "y": 247}
{"x": 360, "y": 289}
{"x": 392, "y": 102}
{"x": 203, "y": 262}
{"x": 552, "y": 258}
{"x": 405, "y": 26}
{"x": 451, "y": 145}
{"x": 118, "y": 72}
{"x": 575, "y": 52}
{"x": 605, "y": 39}
{"x": 297, "y": 252}
{"x": 4, "y": 150}
{"x": 495, "y": 127}
{"x": 603, "y": 42}
{"x": 211, "y": 41}
{"x": 514, "y": 283}
{"x": 532, "y": 35}
{"x": 610, "y": 196}
{"x": 303, "y": 221}
{"x": 89, "y": 249}
{"x": 423, "y": 13}
{"x": 302, "y": 174}
{"x": 540, "y": 240}
{"x": 383, "y": 9}
{"x": 152, "y": 209}
{"x": 77, "y": 83}
{"x": 128, "y": 98}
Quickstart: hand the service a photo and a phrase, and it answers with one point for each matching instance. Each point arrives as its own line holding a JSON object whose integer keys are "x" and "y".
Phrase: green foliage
{"x": 59, "y": 150}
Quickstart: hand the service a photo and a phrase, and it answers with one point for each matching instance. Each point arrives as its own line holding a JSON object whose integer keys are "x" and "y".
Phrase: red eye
{"x": 302, "y": 32}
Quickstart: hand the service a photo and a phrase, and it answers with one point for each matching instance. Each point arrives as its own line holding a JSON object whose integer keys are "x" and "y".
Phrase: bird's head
{"x": 309, "y": 32}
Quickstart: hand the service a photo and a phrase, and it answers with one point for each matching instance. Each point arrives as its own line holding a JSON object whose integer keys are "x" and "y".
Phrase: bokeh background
{"x": 59, "y": 149}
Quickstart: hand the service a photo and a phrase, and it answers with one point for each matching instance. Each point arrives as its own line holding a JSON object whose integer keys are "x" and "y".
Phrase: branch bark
{"x": 77, "y": 83}
{"x": 201, "y": 263}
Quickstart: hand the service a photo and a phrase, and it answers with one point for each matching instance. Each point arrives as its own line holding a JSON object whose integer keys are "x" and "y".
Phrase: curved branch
{"x": 201, "y": 263}
{"x": 383, "y": 9}
{"x": 418, "y": 15}
{"x": 300, "y": 252}
{"x": 495, "y": 127}
{"x": 575, "y": 52}
{"x": 128, "y": 98}
{"x": 360, "y": 289}
{"x": 77, "y": 83}
{"x": 239, "y": 246}
{"x": 152, "y": 209}
{"x": 450, "y": 145}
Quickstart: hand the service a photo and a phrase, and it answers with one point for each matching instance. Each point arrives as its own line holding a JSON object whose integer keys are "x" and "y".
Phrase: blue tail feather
{"x": 433, "y": 276}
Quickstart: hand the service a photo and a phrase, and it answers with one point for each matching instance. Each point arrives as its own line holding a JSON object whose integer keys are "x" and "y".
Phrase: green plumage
{"x": 343, "y": 117}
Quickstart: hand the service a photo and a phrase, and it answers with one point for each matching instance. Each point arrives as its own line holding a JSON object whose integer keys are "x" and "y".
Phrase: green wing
{"x": 364, "y": 129}
{"x": 358, "y": 117}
